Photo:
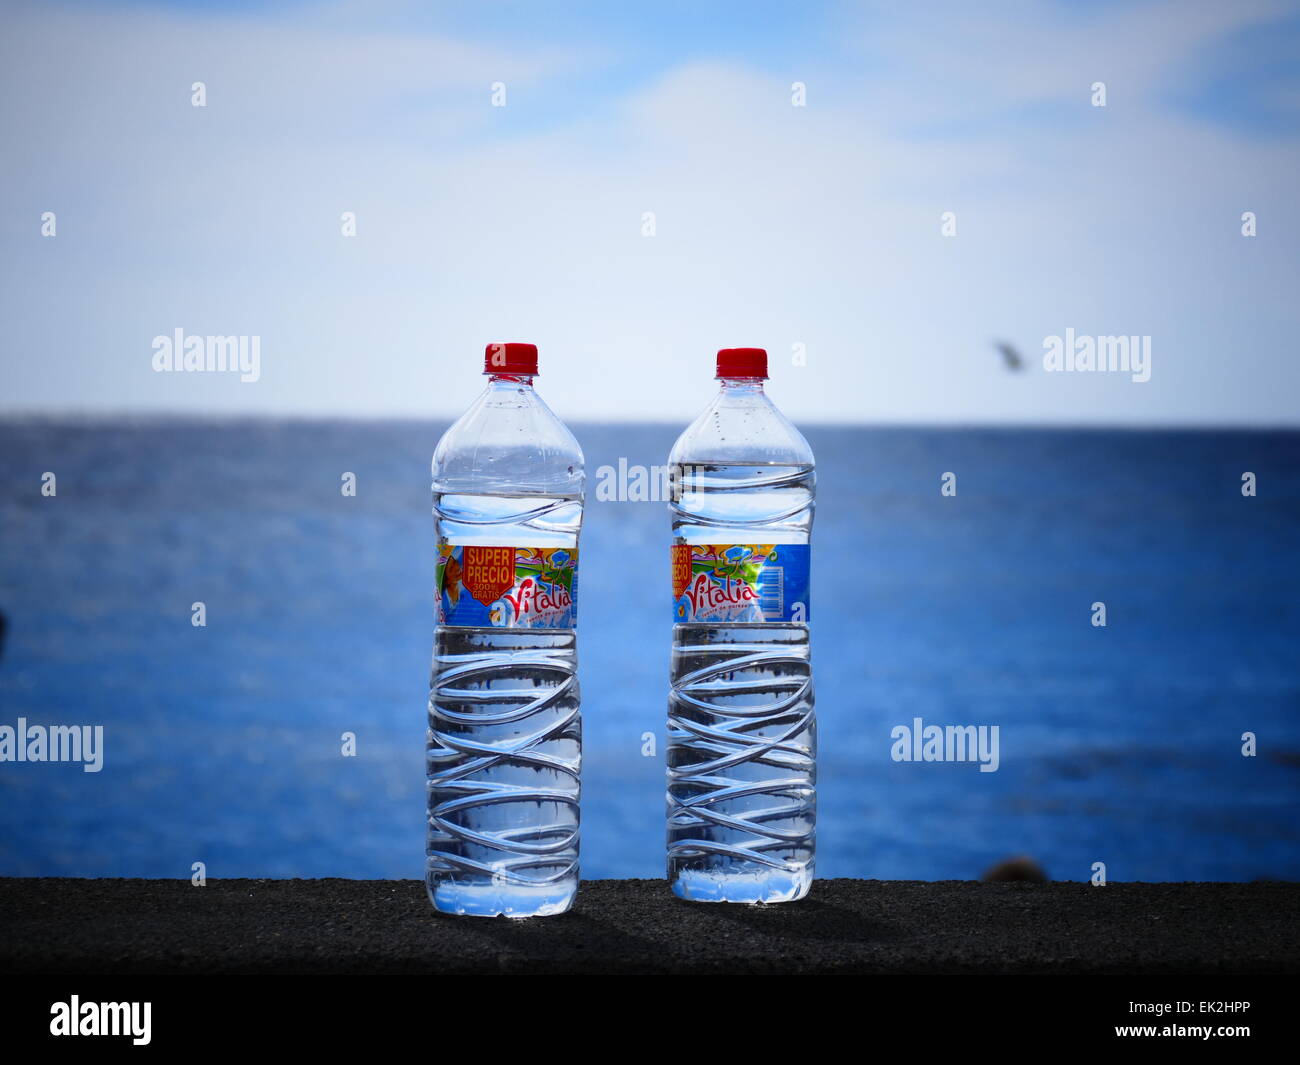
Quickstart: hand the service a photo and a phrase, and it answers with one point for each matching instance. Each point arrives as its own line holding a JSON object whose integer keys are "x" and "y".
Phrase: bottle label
{"x": 740, "y": 583}
{"x": 508, "y": 587}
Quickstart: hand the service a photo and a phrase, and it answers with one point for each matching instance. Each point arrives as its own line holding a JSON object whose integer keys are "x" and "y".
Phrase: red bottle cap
{"x": 517, "y": 359}
{"x": 742, "y": 362}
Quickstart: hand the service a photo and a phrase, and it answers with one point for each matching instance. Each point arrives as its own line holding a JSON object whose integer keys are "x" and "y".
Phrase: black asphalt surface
{"x": 636, "y": 926}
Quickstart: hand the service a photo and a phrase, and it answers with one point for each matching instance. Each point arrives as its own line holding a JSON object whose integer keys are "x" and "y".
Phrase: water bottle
{"x": 504, "y": 740}
{"x": 741, "y": 731}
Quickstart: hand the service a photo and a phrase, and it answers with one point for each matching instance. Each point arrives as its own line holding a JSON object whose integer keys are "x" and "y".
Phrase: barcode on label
{"x": 771, "y": 591}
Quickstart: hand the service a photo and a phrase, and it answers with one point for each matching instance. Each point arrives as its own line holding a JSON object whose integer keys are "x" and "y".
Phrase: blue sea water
{"x": 1120, "y": 744}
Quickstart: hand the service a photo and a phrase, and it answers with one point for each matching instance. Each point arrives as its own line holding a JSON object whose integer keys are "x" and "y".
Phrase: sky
{"x": 948, "y": 184}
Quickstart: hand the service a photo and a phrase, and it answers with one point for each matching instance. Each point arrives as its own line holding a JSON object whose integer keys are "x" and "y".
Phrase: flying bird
{"x": 1011, "y": 355}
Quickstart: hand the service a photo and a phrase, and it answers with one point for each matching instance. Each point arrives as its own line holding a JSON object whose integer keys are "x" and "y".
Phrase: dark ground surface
{"x": 635, "y": 926}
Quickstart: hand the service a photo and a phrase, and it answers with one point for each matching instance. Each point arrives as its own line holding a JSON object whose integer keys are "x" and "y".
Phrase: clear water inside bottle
{"x": 741, "y": 726}
{"x": 504, "y": 738}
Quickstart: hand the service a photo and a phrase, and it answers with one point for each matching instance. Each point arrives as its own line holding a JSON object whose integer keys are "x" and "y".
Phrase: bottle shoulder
{"x": 508, "y": 440}
{"x": 741, "y": 429}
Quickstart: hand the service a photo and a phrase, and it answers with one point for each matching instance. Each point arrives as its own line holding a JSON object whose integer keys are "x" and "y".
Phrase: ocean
{"x": 222, "y": 744}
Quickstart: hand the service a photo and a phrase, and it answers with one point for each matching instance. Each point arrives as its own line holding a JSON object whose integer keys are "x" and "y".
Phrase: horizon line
{"x": 158, "y": 415}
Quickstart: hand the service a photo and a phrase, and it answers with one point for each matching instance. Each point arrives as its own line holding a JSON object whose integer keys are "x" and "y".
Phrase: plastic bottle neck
{"x": 509, "y": 381}
{"x": 741, "y": 386}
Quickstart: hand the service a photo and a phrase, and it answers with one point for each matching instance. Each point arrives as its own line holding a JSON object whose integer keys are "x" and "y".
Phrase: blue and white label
{"x": 740, "y": 583}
